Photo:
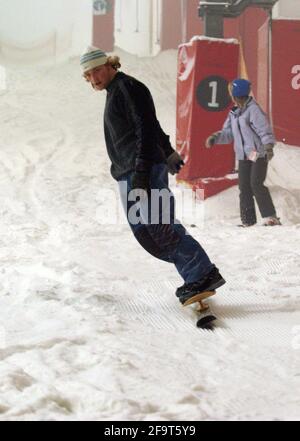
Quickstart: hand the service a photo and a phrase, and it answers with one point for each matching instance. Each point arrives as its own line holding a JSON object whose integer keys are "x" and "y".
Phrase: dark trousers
{"x": 252, "y": 176}
{"x": 169, "y": 242}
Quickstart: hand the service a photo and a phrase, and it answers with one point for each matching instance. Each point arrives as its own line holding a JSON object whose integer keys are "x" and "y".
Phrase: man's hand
{"x": 269, "y": 149}
{"x": 211, "y": 140}
{"x": 175, "y": 163}
{"x": 141, "y": 181}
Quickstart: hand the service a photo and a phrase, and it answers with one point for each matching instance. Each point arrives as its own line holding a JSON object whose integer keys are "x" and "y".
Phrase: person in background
{"x": 141, "y": 157}
{"x": 247, "y": 126}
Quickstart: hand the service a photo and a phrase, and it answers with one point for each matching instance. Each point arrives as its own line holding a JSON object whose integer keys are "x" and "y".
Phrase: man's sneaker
{"x": 245, "y": 225}
{"x": 271, "y": 221}
{"x": 189, "y": 291}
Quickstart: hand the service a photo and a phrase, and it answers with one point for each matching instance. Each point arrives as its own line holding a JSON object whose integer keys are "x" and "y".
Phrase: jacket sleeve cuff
{"x": 168, "y": 149}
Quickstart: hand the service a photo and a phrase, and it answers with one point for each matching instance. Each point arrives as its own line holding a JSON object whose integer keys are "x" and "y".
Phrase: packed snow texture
{"x": 90, "y": 326}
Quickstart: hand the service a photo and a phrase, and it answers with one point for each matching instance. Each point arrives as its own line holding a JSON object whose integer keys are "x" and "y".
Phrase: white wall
{"x": 44, "y": 28}
{"x": 287, "y": 9}
{"x": 156, "y": 26}
{"x": 83, "y": 25}
{"x": 136, "y": 26}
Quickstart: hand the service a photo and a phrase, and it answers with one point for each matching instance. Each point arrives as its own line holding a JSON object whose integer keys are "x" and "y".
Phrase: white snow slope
{"x": 90, "y": 327}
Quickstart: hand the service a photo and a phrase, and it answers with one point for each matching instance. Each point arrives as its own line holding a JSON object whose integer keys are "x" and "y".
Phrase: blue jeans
{"x": 169, "y": 241}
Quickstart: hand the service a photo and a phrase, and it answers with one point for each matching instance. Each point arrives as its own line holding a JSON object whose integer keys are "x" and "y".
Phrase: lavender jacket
{"x": 248, "y": 128}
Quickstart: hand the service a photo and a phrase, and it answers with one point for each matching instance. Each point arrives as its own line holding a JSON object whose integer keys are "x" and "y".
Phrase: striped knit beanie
{"x": 93, "y": 57}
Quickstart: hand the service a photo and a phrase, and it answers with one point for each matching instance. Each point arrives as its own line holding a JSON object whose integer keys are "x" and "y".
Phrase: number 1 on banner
{"x": 214, "y": 86}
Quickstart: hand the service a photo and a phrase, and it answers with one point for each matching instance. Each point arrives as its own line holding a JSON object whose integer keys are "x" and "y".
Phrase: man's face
{"x": 100, "y": 76}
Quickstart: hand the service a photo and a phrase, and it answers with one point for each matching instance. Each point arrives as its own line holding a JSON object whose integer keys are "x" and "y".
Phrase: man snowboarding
{"x": 248, "y": 127}
{"x": 141, "y": 157}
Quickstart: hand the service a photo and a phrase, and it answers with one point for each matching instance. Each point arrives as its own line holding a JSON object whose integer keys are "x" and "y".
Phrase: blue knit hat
{"x": 93, "y": 57}
{"x": 240, "y": 87}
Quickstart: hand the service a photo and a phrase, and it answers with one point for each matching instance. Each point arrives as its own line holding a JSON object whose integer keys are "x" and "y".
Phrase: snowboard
{"x": 204, "y": 314}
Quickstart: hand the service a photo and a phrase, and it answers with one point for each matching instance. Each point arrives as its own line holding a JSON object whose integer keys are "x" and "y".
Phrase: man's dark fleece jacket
{"x": 134, "y": 139}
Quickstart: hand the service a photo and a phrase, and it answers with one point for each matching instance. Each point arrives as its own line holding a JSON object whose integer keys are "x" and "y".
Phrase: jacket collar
{"x": 238, "y": 110}
{"x": 115, "y": 81}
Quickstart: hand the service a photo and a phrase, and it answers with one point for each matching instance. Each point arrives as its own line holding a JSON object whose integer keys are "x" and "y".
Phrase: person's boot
{"x": 191, "y": 292}
{"x": 271, "y": 221}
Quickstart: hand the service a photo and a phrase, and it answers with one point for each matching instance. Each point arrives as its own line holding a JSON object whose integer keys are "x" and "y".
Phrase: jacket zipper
{"x": 243, "y": 141}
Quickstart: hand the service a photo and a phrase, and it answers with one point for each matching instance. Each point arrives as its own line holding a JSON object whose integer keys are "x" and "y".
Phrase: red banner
{"x": 286, "y": 80}
{"x": 205, "y": 67}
